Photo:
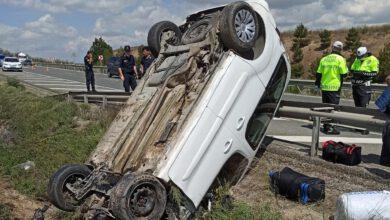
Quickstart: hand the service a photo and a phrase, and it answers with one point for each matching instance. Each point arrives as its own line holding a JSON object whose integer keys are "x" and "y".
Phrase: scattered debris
{"x": 6, "y": 136}
{"x": 27, "y": 165}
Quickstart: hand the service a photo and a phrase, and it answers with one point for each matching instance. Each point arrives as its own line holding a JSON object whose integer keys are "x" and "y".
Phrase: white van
{"x": 195, "y": 122}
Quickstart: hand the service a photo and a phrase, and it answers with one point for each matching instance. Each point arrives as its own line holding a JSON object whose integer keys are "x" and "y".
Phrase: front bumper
{"x": 12, "y": 68}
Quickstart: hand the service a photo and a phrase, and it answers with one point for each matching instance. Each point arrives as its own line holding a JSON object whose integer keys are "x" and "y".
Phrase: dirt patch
{"x": 20, "y": 206}
{"x": 255, "y": 188}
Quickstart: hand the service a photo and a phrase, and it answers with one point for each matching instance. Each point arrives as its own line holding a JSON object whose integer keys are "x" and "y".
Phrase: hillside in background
{"x": 374, "y": 38}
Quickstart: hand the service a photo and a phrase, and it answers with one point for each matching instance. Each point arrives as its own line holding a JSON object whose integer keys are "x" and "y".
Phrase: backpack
{"x": 297, "y": 186}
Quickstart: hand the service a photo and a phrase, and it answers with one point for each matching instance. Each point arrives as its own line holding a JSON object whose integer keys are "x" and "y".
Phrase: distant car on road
{"x": 1, "y": 59}
{"x": 112, "y": 66}
{"x": 27, "y": 63}
{"x": 12, "y": 64}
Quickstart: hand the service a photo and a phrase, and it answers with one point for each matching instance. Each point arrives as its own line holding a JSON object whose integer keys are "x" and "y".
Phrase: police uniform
{"x": 330, "y": 73}
{"x": 146, "y": 62}
{"x": 383, "y": 104}
{"x": 363, "y": 71}
{"x": 127, "y": 65}
{"x": 89, "y": 75}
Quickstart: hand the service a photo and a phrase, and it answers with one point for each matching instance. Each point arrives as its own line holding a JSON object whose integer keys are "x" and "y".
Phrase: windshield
{"x": 11, "y": 60}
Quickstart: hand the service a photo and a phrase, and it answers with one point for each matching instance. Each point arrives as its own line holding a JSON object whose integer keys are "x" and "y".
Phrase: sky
{"x": 65, "y": 29}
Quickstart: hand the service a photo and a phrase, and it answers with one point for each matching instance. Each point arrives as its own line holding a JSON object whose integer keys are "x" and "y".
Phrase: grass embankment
{"x": 46, "y": 131}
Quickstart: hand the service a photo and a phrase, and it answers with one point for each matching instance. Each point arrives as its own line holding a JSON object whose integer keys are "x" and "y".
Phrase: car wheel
{"x": 239, "y": 27}
{"x": 156, "y": 32}
{"x": 138, "y": 197}
{"x": 197, "y": 32}
{"x": 58, "y": 193}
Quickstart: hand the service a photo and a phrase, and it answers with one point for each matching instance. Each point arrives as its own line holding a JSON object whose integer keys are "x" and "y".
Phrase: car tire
{"x": 138, "y": 197}
{"x": 155, "y": 34}
{"x": 239, "y": 27}
{"x": 197, "y": 31}
{"x": 58, "y": 195}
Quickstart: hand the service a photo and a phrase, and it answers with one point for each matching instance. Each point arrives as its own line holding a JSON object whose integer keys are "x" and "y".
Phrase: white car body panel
{"x": 217, "y": 127}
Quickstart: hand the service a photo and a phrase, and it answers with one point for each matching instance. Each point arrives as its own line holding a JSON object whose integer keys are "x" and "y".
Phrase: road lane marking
{"x": 347, "y": 140}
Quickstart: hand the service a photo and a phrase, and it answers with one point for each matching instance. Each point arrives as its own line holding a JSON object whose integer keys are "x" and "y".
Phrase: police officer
{"x": 127, "y": 70}
{"x": 364, "y": 69}
{"x": 329, "y": 78}
{"x": 383, "y": 104}
{"x": 89, "y": 74}
{"x": 147, "y": 60}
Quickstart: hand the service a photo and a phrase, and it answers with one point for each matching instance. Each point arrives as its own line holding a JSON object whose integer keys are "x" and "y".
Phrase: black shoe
{"x": 94, "y": 90}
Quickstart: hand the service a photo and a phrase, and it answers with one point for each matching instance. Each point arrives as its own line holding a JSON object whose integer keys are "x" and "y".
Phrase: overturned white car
{"x": 195, "y": 122}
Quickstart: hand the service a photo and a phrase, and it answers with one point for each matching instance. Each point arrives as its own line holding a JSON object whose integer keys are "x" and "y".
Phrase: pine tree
{"x": 384, "y": 62}
{"x": 326, "y": 39}
{"x": 100, "y": 47}
{"x": 300, "y": 37}
{"x": 298, "y": 54}
{"x": 353, "y": 40}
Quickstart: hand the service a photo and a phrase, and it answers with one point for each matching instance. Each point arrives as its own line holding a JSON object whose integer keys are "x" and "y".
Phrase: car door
{"x": 206, "y": 150}
{"x": 236, "y": 100}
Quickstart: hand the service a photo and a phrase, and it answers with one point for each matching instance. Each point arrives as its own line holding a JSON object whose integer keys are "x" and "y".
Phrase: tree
{"x": 384, "y": 62}
{"x": 100, "y": 47}
{"x": 300, "y": 37}
{"x": 297, "y": 70}
{"x": 298, "y": 54}
{"x": 326, "y": 39}
{"x": 353, "y": 40}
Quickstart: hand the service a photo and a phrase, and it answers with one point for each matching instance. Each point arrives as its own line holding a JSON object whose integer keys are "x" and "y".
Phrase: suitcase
{"x": 350, "y": 155}
{"x": 297, "y": 186}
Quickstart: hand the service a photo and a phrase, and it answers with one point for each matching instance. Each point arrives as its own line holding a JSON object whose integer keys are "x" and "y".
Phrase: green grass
{"x": 237, "y": 210}
{"x": 5, "y": 213}
{"x": 46, "y": 133}
{"x": 243, "y": 211}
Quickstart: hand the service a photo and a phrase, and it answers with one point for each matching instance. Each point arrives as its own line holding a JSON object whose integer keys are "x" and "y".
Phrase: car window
{"x": 12, "y": 60}
{"x": 265, "y": 110}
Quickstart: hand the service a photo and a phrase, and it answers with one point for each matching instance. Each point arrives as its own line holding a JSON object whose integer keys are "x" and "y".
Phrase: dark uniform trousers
{"x": 385, "y": 155}
{"x": 129, "y": 81}
{"x": 361, "y": 95}
{"x": 330, "y": 97}
{"x": 90, "y": 80}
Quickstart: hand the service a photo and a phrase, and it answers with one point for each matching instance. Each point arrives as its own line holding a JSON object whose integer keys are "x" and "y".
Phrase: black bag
{"x": 350, "y": 155}
{"x": 296, "y": 186}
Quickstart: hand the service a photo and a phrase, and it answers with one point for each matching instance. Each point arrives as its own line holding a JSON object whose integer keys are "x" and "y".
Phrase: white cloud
{"x": 42, "y": 37}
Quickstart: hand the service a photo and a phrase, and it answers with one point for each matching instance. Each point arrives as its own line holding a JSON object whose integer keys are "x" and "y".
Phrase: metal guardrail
{"x": 369, "y": 119}
{"x": 102, "y": 98}
{"x": 73, "y": 67}
{"x": 346, "y": 85}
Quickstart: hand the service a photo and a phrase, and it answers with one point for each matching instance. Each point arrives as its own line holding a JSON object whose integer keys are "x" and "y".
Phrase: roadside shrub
{"x": 14, "y": 83}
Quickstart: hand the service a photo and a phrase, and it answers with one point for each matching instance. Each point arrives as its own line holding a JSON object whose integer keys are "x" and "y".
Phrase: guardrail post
{"x": 315, "y": 136}
{"x": 104, "y": 101}
{"x": 69, "y": 98}
{"x": 85, "y": 99}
